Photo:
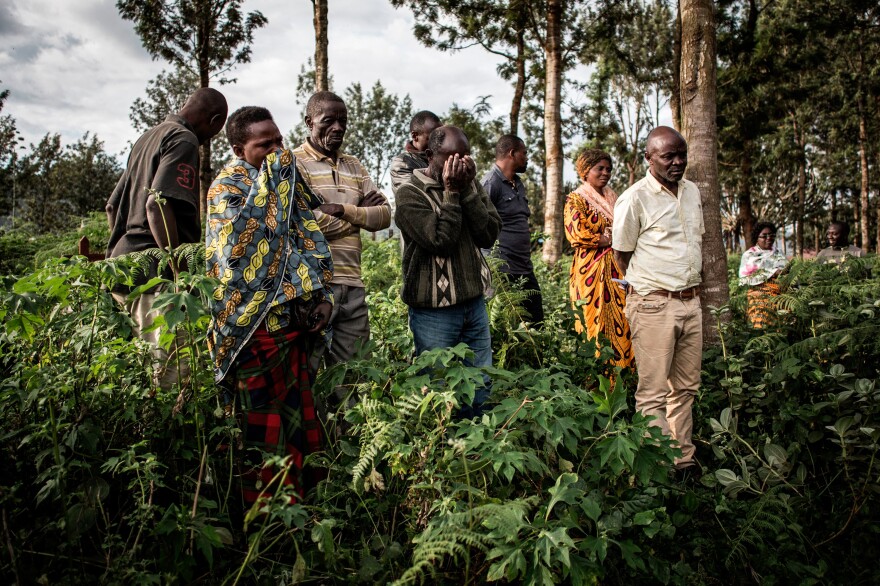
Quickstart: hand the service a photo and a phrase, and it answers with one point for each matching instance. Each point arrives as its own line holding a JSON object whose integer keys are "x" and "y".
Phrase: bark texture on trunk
{"x": 553, "y": 133}
{"x": 865, "y": 229}
{"x": 322, "y": 83}
{"x": 746, "y": 214}
{"x": 520, "y": 87}
{"x": 675, "y": 94}
{"x": 206, "y": 174}
{"x": 698, "y": 125}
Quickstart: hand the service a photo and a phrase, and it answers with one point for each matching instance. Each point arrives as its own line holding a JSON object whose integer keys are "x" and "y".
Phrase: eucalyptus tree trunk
{"x": 553, "y": 133}
{"x": 519, "y": 89}
{"x": 699, "y": 128}
{"x": 322, "y": 83}
{"x": 746, "y": 213}
{"x": 206, "y": 174}
{"x": 863, "y": 165}
{"x": 675, "y": 94}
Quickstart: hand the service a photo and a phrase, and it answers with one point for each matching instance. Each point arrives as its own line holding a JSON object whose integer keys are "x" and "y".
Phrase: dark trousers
{"x": 534, "y": 303}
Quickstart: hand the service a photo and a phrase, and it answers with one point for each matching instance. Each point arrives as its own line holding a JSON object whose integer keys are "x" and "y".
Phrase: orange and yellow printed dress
{"x": 590, "y": 280}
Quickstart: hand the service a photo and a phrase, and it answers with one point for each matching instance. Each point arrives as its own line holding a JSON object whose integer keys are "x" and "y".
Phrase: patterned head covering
{"x": 587, "y": 159}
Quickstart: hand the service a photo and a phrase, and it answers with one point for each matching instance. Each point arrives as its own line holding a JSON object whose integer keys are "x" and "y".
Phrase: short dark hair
{"x": 842, "y": 226}
{"x": 437, "y": 138}
{"x": 418, "y": 121}
{"x": 317, "y": 101}
{"x": 240, "y": 121}
{"x": 759, "y": 227}
{"x": 507, "y": 143}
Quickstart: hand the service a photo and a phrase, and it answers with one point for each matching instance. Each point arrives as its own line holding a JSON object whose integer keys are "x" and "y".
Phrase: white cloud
{"x": 77, "y": 66}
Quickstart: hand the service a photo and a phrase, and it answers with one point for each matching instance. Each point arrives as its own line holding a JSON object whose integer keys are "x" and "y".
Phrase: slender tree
{"x": 698, "y": 125}
{"x": 207, "y": 37}
{"x": 502, "y": 27}
{"x": 553, "y": 158}
{"x": 322, "y": 74}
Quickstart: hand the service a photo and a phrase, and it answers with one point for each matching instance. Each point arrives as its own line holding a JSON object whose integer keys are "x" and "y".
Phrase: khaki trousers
{"x": 165, "y": 370}
{"x": 667, "y": 339}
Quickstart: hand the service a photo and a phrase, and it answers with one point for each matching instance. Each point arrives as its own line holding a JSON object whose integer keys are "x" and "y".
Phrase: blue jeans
{"x": 444, "y": 327}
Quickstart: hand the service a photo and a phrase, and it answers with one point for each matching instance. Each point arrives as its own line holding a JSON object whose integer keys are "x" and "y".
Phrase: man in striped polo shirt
{"x": 351, "y": 203}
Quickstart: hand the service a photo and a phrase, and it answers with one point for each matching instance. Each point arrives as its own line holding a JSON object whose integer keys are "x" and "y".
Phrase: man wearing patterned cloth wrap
{"x": 273, "y": 262}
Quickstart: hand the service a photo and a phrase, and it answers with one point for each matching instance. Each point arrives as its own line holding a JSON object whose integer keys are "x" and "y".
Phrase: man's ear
{"x": 308, "y": 121}
{"x": 429, "y": 153}
{"x": 413, "y": 134}
{"x": 238, "y": 150}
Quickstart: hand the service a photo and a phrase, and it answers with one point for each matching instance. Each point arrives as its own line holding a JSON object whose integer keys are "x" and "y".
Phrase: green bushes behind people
{"x": 107, "y": 479}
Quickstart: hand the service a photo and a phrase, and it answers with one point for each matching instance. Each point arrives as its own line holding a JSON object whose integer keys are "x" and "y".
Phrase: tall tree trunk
{"x": 800, "y": 212}
{"x": 322, "y": 83}
{"x": 206, "y": 174}
{"x": 520, "y": 87}
{"x": 746, "y": 214}
{"x": 675, "y": 94}
{"x": 863, "y": 166}
{"x": 553, "y": 133}
{"x": 698, "y": 125}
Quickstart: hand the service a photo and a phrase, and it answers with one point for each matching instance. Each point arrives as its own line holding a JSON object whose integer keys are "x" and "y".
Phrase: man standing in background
{"x": 838, "y": 245}
{"x": 508, "y": 194}
{"x": 413, "y": 156}
{"x": 163, "y": 161}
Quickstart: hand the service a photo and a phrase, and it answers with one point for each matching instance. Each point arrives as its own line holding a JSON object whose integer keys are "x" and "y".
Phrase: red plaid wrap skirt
{"x": 277, "y": 411}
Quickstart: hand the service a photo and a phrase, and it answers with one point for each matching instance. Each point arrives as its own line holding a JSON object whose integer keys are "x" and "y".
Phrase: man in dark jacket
{"x": 413, "y": 156}
{"x": 445, "y": 217}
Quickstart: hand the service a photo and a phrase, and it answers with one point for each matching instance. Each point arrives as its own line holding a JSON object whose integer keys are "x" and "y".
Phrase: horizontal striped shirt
{"x": 345, "y": 182}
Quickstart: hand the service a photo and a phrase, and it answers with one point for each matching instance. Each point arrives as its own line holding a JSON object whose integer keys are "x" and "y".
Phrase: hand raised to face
{"x": 458, "y": 172}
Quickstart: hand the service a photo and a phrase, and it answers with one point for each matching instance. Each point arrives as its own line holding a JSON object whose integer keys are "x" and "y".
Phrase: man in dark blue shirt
{"x": 508, "y": 193}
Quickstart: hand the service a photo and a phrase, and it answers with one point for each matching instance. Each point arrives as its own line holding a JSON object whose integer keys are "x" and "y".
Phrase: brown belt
{"x": 689, "y": 293}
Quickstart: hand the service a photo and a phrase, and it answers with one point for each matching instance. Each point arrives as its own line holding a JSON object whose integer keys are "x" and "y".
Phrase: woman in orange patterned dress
{"x": 589, "y": 213}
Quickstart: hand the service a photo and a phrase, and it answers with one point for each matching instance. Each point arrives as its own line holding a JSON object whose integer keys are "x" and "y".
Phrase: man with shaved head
{"x": 164, "y": 161}
{"x": 445, "y": 217}
{"x": 657, "y": 241}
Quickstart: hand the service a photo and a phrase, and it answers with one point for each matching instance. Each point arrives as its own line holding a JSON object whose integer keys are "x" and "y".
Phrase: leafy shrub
{"x": 106, "y": 478}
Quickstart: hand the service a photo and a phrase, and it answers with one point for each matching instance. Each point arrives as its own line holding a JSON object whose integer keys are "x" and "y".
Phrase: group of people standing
{"x": 763, "y": 263}
{"x": 283, "y": 239}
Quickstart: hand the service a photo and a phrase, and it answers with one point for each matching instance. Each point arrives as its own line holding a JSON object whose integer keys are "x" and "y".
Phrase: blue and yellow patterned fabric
{"x": 263, "y": 243}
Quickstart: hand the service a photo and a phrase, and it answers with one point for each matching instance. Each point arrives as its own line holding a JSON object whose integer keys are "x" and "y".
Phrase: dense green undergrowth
{"x": 106, "y": 479}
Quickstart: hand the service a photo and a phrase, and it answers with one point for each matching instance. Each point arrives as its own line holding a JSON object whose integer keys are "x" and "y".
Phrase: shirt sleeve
{"x": 627, "y": 224}
{"x": 177, "y": 176}
{"x": 371, "y": 218}
{"x": 400, "y": 173}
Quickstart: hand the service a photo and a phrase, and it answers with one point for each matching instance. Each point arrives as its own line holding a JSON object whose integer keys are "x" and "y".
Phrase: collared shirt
{"x": 515, "y": 239}
{"x": 263, "y": 244}
{"x": 344, "y": 182}
{"x": 832, "y": 255}
{"x": 664, "y": 231}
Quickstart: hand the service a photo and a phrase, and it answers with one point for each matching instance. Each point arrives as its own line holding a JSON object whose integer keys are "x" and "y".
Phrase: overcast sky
{"x": 74, "y": 65}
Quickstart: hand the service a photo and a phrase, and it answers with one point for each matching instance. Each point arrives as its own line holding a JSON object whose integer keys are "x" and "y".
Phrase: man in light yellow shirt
{"x": 657, "y": 241}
